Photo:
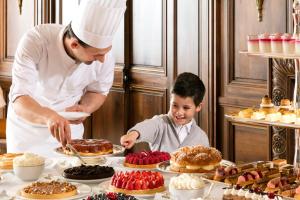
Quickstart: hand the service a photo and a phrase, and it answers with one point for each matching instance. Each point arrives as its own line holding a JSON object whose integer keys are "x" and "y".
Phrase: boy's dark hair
{"x": 70, "y": 34}
{"x": 189, "y": 85}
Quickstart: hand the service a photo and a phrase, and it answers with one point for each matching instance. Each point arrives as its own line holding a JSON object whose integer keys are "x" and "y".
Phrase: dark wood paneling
{"x": 250, "y": 143}
{"x": 244, "y": 80}
{"x": 108, "y": 122}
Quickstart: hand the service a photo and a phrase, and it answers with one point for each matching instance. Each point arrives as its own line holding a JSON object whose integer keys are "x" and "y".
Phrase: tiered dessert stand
{"x": 296, "y": 96}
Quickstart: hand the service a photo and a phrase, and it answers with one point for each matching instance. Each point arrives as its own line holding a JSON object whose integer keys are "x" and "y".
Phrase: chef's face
{"x": 182, "y": 109}
{"x": 88, "y": 55}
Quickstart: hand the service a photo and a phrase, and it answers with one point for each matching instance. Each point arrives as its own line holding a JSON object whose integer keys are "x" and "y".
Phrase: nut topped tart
{"x": 49, "y": 190}
{"x": 90, "y": 147}
{"x": 137, "y": 183}
{"x": 145, "y": 159}
{"x": 196, "y": 159}
{"x": 88, "y": 172}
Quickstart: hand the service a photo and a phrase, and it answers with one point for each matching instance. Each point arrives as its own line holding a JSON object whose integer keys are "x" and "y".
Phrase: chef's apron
{"x": 19, "y": 133}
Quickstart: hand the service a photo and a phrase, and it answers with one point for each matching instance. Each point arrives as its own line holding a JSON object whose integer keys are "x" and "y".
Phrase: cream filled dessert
{"x": 195, "y": 159}
{"x": 253, "y": 44}
{"x": 276, "y": 43}
{"x": 28, "y": 159}
{"x": 187, "y": 182}
{"x": 288, "y": 44}
{"x": 246, "y": 113}
{"x": 264, "y": 43}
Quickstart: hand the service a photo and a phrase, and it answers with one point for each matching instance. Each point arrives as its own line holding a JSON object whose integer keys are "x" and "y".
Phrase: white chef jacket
{"x": 43, "y": 70}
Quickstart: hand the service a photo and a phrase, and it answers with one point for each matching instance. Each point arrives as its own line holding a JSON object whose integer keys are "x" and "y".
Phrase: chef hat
{"x": 96, "y": 21}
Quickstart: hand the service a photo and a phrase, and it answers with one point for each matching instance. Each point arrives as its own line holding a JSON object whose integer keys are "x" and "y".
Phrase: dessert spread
{"x": 145, "y": 159}
{"x": 88, "y": 172}
{"x": 91, "y": 147}
{"x": 6, "y": 160}
{"x": 49, "y": 190}
{"x": 136, "y": 182}
{"x": 195, "y": 159}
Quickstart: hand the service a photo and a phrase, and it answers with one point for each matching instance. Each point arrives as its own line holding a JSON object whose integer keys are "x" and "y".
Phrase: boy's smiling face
{"x": 182, "y": 109}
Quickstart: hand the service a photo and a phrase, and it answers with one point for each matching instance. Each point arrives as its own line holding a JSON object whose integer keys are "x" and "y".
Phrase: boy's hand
{"x": 129, "y": 139}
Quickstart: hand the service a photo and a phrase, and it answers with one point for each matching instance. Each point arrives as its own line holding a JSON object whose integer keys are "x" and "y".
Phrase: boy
{"x": 178, "y": 128}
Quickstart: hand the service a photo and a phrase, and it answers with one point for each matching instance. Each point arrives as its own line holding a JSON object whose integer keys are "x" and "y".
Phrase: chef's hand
{"x": 77, "y": 108}
{"x": 59, "y": 128}
{"x": 129, "y": 139}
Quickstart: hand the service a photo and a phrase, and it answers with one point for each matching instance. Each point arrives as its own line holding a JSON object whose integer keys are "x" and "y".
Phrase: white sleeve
{"x": 24, "y": 70}
{"x": 105, "y": 76}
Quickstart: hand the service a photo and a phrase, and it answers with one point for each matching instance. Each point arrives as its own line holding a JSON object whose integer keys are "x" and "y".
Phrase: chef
{"x": 61, "y": 68}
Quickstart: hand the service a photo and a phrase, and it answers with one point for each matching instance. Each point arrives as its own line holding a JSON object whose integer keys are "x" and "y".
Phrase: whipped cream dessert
{"x": 28, "y": 159}
{"x": 187, "y": 182}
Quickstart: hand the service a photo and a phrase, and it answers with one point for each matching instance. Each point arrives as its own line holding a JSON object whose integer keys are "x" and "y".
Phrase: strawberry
{"x": 144, "y": 185}
{"x": 146, "y": 161}
{"x": 140, "y": 161}
{"x": 119, "y": 183}
{"x": 124, "y": 184}
{"x": 137, "y": 185}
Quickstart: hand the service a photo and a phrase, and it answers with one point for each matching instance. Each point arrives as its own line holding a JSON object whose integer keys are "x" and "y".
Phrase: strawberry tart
{"x": 145, "y": 159}
{"x": 137, "y": 183}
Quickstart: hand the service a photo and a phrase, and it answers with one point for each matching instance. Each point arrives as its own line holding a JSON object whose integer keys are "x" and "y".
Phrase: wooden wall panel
{"x": 250, "y": 143}
{"x": 244, "y": 80}
{"x": 108, "y": 122}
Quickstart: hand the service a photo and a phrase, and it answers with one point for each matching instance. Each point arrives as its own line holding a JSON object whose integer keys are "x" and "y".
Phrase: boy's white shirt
{"x": 183, "y": 130}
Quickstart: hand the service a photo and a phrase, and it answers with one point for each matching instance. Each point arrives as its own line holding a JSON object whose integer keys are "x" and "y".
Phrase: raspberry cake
{"x": 137, "y": 183}
{"x": 49, "y": 190}
{"x": 196, "y": 159}
{"x": 90, "y": 147}
{"x": 145, "y": 159}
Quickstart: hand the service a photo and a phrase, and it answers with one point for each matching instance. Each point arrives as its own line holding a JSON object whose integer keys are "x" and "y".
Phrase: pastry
{"x": 6, "y": 160}
{"x": 246, "y": 113}
{"x": 90, "y": 147}
{"x": 273, "y": 117}
{"x": 145, "y": 159}
{"x": 136, "y": 182}
{"x": 266, "y": 105}
{"x": 285, "y": 106}
{"x": 88, "y": 172}
{"x": 49, "y": 190}
{"x": 288, "y": 117}
{"x": 258, "y": 115}
{"x": 195, "y": 159}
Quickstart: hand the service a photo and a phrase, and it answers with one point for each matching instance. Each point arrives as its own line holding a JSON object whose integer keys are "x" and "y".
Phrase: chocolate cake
{"x": 88, "y": 172}
{"x": 110, "y": 196}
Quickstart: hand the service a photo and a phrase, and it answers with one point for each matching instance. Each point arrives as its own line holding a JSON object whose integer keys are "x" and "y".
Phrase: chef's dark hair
{"x": 70, "y": 34}
{"x": 189, "y": 85}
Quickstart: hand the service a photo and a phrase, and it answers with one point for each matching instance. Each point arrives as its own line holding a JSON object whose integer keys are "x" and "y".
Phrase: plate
{"x": 165, "y": 166}
{"x": 88, "y": 181}
{"x": 73, "y": 115}
{"x": 117, "y": 150}
{"x": 82, "y": 189}
{"x": 104, "y": 186}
